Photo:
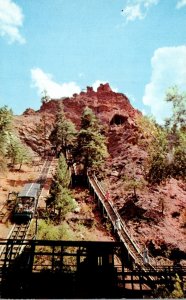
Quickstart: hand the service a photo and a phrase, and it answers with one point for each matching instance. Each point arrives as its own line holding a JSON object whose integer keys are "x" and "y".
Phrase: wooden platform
{"x": 76, "y": 269}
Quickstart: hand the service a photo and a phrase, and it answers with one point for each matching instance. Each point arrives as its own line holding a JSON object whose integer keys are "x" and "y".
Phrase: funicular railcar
{"x": 26, "y": 203}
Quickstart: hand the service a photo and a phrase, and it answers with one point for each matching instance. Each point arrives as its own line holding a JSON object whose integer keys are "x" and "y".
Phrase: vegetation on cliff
{"x": 165, "y": 144}
{"x": 63, "y": 133}
{"x": 12, "y": 150}
{"x": 60, "y": 195}
{"x": 91, "y": 149}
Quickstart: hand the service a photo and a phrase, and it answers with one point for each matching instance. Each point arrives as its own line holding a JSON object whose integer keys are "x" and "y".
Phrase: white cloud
{"x": 97, "y": 83}
{"x": 168, "y": 69}
{"x": 180, "y": 4}
{"x": 133, "y": 12}
{"x": 137, "y": 9}
{"x": 44, "y": 81}
{"x": 11, "y": 18}
{"x": 144, "y": 112}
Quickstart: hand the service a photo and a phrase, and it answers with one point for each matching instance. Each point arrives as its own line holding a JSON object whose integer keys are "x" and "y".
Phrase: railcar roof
{"x": 30, "y": 190}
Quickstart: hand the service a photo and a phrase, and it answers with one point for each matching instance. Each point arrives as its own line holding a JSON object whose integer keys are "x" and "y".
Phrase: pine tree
{"x": 63, "y": 201}
{"x": 5, "y": 129}
{"x": 62, "y": 175}
{"x": 91, "y": 147}
{"x": 6, "y": 116}
{"x": 63, "y": 134}
{"x": 17, "y": 152}
{"x": 60, "y": 196}
{"x": 45, "y": 98}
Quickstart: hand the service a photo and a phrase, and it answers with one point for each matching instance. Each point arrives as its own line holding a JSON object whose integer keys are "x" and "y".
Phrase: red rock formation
{"x": 126, "y": 160}
{"x": 110, "y": 107}
{"x": 29, "y": 111}
{"x": 105, "y": 103}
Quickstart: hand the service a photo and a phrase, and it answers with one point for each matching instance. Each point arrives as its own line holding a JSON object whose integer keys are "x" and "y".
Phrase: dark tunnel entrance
{"x": 118, "y": 120}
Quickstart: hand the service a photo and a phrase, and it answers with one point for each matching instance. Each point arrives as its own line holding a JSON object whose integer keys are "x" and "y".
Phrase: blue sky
{"x": 63, "y": 46}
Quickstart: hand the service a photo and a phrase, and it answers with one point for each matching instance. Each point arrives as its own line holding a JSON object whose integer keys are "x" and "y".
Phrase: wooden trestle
{"x": 77, "y": 269}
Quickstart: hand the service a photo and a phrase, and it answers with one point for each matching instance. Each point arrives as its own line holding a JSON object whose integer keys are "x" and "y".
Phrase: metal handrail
{"x": 123, "y": 225}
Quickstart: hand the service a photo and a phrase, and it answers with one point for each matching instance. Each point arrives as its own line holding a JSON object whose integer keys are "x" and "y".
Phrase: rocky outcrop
{"x": 110, "y": 107}
{"x": 105, "y": 103}
{"x": 29, "y": 111}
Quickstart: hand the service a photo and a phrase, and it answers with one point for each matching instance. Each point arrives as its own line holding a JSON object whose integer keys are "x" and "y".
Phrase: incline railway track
{"x": 8, "y": 252}
{"x": 113, "y": 215}
{"x": 8, "y": 206}
{"x": 20, "y": 231}
{"x": 44, "y": 171}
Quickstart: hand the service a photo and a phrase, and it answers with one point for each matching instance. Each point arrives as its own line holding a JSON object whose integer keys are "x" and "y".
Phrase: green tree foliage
{"x": 63, "y": 134}
{"x": 44, "y": 97}
{"x": 60, "y": 196}
{"x": 166, "y": 145}
{"x": 176, "y": 128}
{"x": 5, "y": 119}
{"x": 177, "y": 291}
{"x": 3, "y": 151}
{"x": 91, "y": 148}
{"x": 47, "y": 230}
{"x": 133, "y": 184}
{"x": 153, "y": 138}
{"x": 11, "y": 148}
{"x": 62, "y": 172}
{"x": 3, "y": 143}
{"x": 5, "y": 129}
{"x": 17, "y": 152}
{"x": 64, "y": 201}
{"x": 164, "y": 292}
{"x": 178, "y": 166}
{"x": 178, "y": 101}
{"x": 158, "y": 163}
{"x": 148, "y": 130}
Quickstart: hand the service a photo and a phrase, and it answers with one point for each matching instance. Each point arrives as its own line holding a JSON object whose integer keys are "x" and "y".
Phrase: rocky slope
{"x": 156, "y": 216}
{"x": 110, "y": 108}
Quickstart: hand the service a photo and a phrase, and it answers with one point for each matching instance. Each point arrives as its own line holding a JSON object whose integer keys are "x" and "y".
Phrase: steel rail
{"x": 19, "y": 231}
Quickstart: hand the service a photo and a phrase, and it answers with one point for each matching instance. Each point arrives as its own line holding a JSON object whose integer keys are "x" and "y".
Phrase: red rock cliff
{"x": 105, "y": 103}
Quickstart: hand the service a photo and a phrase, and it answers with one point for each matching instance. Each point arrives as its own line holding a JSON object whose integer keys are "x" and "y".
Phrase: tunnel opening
{"x": 118, "y": 120}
